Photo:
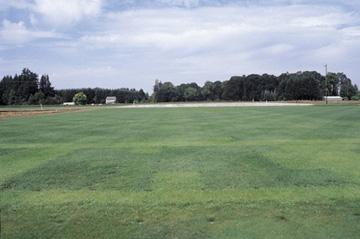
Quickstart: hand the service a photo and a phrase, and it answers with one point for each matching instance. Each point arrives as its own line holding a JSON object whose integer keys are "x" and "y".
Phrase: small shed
{"x": 334, "y": 98}
{"x": 110, "y": 100}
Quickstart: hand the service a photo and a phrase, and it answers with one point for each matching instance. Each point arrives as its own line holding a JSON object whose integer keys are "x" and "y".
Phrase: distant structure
{"x": 110, "y": 100}
{"x": 69, "y": 103}
{"x": 333, "y": 98}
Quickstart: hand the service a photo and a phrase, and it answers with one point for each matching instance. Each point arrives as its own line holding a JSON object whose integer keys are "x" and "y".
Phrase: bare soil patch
{"x": 5, "y": 114}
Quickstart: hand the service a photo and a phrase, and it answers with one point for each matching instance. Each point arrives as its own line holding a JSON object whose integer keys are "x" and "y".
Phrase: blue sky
{"x": 131, "y": 43}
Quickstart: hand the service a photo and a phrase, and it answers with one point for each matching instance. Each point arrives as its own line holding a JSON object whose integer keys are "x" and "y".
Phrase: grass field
{"x": 248, "y": 172}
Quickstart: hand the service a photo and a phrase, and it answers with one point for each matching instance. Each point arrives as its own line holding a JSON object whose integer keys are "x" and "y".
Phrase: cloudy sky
{"x": 131, "y": 43}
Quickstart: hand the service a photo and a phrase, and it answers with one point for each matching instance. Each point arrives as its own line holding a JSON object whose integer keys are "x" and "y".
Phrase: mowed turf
{"x": 248, "y": 172}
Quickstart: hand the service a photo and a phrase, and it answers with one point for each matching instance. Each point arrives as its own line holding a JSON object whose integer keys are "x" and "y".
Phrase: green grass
{"x": 249, "y": 172}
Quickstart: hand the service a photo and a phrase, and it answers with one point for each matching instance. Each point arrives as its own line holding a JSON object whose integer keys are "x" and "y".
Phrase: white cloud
{"x": 14, "y": 32}
{"x": 224, "y": 29}
{"x": 67, "y": 12}
{"x": 178, "y": 44}
{"x": 19, "y": 4}
{"x": 186, "y": 3}
{"x": 17, "y": 33}
{"x": 352, "y": 31}
{"x": 208, "y": 42}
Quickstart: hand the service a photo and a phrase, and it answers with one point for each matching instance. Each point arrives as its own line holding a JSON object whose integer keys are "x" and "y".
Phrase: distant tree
{"x": 333, "y": 84}
{"x": 253, "y": 85}
{"x": 90, "y": 94}
{"x": 198, "y": 90}
{"x": 166, "y": 92}
{"x": 283, "y": 78}
{"x": 207, "y": 91}
{"x": 289, "y": 93}
{"x": 80, "y": 98}
{"x": 234, "y": 89}
{"x": 45, "y": 86}
{"x": 218, "y": 89}
{"x": 38, "y": 98}
{"x": 100, "y": 96}
{"x": 347, "y": 90}
{"x": 156, "y": 89}
{"x": 179, "y": 92}
{"x": 190, "y": 94}
{"x": 357, "y": 95}
{"x": 125, "y": 95}
{"x": 309, "y": 86}
{"x": 27, "y": 84}
{"x": 25, "y": 89}
{"x": 56, "y": 100}
{"x": 5, "y": 88}
{"x": 142, "y": 97}
{"x": 221, "y": 91}
{"x": 267, "y": 95}
{"x": 300, "y": 86}
{"x": 12, "y": 99}
{"x": 17, "y": 90}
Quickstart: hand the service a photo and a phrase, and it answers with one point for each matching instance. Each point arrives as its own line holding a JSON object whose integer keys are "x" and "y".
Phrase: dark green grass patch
{"x": 86, "y": 168}
{"x": 258, "y": 172}
{"x": 185, "y": 167}
{"x": 7, "y": 151}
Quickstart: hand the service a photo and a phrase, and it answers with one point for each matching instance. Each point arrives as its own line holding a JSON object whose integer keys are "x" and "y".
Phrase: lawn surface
{"x": 249, "y": 172}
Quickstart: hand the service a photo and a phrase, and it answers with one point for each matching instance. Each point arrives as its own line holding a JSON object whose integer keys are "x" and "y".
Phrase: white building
{"x": 110, "y": 100}
{"x": 334, "y": 98}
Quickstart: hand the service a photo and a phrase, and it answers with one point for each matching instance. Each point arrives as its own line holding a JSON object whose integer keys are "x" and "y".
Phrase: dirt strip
{"x": 6, "y": 114}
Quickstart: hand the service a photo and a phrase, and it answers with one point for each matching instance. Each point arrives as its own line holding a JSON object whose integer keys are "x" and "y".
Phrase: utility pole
{"x": 326, "y": 83}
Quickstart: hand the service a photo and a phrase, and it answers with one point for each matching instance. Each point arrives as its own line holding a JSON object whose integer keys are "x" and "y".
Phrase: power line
{"x": 326, "y": 84}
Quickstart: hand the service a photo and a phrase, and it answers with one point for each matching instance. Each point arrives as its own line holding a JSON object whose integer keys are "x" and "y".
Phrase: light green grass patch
{"x": 175, "y": 181}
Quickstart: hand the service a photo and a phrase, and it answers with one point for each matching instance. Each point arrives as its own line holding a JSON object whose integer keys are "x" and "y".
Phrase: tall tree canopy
{"x": 17, "y": 90}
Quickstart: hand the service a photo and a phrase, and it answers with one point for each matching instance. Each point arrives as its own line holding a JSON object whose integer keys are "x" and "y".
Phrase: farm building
{"x": 334, "y": 98}
{"x": 110, "y": 100}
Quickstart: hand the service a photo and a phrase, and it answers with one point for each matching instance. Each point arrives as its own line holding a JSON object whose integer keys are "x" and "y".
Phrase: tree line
{"x": 28, "y": 88}
{"x": 308, "y": 85}
{"x": 98, "y": 95}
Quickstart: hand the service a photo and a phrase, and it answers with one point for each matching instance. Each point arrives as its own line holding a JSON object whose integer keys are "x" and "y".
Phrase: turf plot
{"x": 258, "y": 172}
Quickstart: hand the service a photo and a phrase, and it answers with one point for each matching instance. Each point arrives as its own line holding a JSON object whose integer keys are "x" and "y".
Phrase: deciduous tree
{"x": 80, "y": 98}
